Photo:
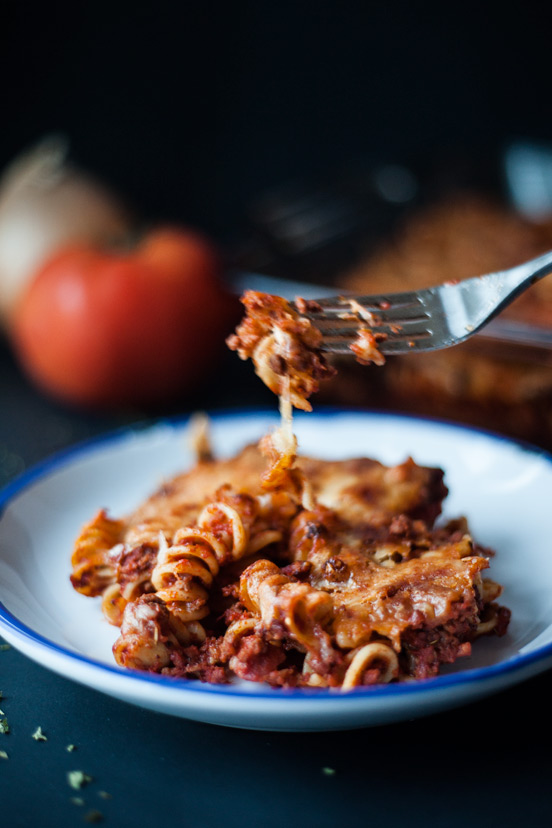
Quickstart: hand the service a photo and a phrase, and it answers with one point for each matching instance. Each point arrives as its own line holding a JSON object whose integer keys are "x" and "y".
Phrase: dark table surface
{"x": 484, "y": 764}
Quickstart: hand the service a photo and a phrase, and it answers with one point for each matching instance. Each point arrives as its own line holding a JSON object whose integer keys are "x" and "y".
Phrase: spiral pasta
{"x": 377, "y": 654}
{"x": 93, "y": 570}
{"x": 185, "y": 571}
{"x": 113, "y": 604}
{"x": 280, "y": 602}
{"x": 150, "y": 529}
{"x": 226, "y": 530}
{"x": 150, "y": 635}
{"x": 141, "y": 540}
{"x": 127, "y": 588}
{"x": 321, "y": 574}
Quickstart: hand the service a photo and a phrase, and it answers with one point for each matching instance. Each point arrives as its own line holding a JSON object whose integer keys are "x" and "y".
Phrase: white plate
{"x": 502, "y": 487}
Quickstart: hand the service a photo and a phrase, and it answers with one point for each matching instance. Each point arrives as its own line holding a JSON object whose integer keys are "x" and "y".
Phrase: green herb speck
{"x": 4, "y": 647}
{"x": 328, "y": 771}
{"x": 77, "y": 800}
{"x": 4, "y": 726}
{"x": 70, "y": 748}
{"x": 3, "y": 754}
{"x": 39, "y": 736}
{"x": 77, "y": 779}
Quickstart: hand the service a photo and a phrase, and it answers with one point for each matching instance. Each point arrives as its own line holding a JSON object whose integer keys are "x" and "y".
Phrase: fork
{"x": 423, "y": 320}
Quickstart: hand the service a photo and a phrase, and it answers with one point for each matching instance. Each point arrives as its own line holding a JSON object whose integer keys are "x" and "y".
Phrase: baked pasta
{"x": 296, "y": 571}
{"x": 332, "y": 574}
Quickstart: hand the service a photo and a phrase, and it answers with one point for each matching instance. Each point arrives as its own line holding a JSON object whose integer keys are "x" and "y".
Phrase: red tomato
{"x": 105, "y": 328}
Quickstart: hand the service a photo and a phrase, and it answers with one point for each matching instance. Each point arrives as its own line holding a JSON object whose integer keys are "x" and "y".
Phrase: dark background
{"x": 191, "y": 111}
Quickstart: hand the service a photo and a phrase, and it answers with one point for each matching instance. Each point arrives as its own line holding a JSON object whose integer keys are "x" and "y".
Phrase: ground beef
{"x": 255, "y": 658}
{"x": 133, "y": 564}
{"x": 424, "y": 650}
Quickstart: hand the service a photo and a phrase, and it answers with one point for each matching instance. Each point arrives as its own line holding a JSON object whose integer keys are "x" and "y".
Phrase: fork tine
{"x": 400, "y": 323}
{"x": 376, "y": 303}
{"x": 393, "y": 316}
{"x": 396, "y": 314}
{"x": 404, "y": 346}
{"x": 422, "y": 342}
{"x": 335, "y": 329}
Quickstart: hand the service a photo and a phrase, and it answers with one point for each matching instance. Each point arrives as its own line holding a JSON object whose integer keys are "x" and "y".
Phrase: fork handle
{"x": 483, "y": 297}
{"x": 518, "y": 278}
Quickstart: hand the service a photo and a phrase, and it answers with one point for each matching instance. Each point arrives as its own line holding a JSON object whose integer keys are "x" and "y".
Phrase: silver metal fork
{"x": 423, "y": 320}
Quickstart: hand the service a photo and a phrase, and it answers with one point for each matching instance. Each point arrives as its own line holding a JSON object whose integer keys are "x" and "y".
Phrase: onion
{"x": 46, "y": 202}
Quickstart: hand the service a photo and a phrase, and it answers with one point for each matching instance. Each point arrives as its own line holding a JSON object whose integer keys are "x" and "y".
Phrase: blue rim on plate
{"x": 60, "y": 459}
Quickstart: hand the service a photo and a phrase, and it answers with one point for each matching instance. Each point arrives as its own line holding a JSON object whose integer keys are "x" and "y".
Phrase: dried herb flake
{"x": 39, "y": 736}
{"x": 77, "y": 779}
